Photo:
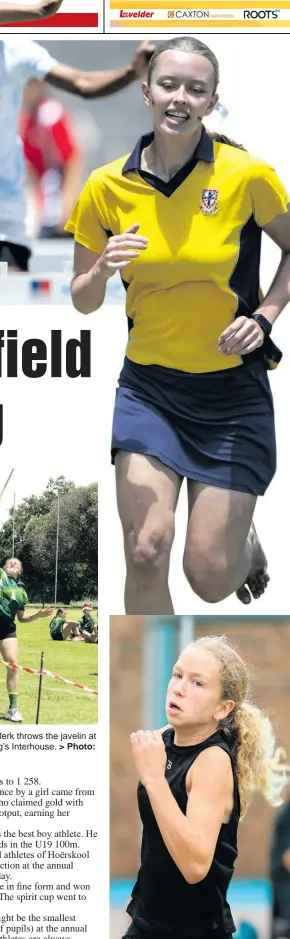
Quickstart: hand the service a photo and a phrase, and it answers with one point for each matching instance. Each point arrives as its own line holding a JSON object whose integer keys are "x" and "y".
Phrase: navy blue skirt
{"x": 215, "y": 427}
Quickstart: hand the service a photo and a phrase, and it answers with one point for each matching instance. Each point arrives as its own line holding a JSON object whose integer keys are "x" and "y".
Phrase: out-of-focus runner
{"x": 53, "y": 156}
{"x": 19, "y": 63}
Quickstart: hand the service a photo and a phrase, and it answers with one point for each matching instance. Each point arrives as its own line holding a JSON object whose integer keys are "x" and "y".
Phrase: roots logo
{"x": 261, "y": 14}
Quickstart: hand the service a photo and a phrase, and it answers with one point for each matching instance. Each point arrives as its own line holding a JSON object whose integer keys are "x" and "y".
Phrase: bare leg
{"x": 219, "y": 547}
{"x": 9, "y": 652}
{"x": 69, "y": 628}
{"x": 89, "y": 637}
{"x": 147, "y": 495}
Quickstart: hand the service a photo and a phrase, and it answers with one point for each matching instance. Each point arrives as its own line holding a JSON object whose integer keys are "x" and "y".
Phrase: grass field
{"x": 60, "y": 703}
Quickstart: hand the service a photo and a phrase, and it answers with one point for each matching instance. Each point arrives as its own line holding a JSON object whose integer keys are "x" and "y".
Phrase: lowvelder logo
{"x": 134, "y": 14}
{"x": 261, "y": 14}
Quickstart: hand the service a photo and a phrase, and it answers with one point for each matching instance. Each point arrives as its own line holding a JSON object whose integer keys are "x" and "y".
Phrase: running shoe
{"x": 13, "y": 714}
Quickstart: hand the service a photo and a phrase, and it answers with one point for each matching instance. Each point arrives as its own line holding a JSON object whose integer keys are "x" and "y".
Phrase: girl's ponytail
{"x": 259, "y": 765}
{"x": 257, "y": 760}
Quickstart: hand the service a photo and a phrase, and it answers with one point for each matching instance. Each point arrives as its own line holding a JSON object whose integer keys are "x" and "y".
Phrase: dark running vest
{"x": 163, "y": 904}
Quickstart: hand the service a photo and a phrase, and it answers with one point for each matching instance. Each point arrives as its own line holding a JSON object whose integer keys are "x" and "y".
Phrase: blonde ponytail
{"x": 257, "y": 760}
{"x": 260, "y": 766}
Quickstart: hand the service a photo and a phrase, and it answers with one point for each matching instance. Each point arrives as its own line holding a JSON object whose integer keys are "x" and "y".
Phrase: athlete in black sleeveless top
{"x": 189, "y": 805}
{"x": 161, "y": 891}
{"x": 197, "y": 777}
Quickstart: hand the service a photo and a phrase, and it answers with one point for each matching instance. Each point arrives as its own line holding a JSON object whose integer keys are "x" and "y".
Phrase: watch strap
{"x": 263, "y": 322}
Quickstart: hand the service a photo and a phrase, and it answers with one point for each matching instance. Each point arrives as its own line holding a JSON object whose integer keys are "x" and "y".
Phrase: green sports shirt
{"x": 13, "y": 596}
{"x": 56, "y": 624}
{"x": 87, "y": 624}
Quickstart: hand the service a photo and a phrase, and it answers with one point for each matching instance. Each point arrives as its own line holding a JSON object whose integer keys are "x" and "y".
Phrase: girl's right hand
{"x": 120, "y": 250}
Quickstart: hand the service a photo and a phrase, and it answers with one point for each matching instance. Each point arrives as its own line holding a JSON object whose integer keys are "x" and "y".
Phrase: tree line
{"x": 35, "y": 533}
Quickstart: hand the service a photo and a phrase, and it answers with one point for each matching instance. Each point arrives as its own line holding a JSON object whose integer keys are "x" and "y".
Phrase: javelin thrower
{"x": 13, "y": 599}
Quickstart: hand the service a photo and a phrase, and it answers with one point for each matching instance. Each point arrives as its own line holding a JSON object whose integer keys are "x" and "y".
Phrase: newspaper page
{"x": 144, "y": 627}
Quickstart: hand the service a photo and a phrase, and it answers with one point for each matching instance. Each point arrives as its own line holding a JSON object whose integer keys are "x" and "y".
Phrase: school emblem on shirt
{"x": 209, "y": 201}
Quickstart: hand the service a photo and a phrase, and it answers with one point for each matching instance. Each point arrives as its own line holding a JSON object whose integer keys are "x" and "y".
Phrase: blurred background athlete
{"x": 280, "y": 872}
{"x": 53, "y": 158}
{"x": 19, "y": 62}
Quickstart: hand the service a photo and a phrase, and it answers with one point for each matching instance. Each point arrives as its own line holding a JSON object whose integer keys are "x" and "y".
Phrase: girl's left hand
{"x": 244, "y": 335}
{"x": 149, "y": 755}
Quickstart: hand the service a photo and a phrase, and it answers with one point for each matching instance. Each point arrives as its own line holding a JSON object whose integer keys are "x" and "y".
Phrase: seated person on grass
{"x": 60, "y": 628}
{"x": 87, "y": 626}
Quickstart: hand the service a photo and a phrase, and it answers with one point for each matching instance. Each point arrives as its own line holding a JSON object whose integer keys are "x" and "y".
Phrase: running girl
{"x": 197, "y": 778}
{"x": 182, "y": 219}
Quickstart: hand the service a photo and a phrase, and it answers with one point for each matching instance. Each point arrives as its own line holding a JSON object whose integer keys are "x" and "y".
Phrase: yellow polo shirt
{"x": 201, "y": 266}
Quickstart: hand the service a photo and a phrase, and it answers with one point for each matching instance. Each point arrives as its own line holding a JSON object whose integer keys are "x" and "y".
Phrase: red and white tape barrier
{"x": 43, "y": 671}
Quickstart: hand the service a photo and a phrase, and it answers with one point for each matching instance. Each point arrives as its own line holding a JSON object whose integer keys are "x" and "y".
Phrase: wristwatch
{"x": 265, "y": 325}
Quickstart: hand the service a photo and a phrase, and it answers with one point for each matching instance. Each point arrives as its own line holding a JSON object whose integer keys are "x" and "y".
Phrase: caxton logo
{"x": 192, "y": 14}
{"x": 189, "y": 14}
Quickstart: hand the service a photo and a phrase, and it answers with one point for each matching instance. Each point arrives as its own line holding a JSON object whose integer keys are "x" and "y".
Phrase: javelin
{"x": 6, "y": 484}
